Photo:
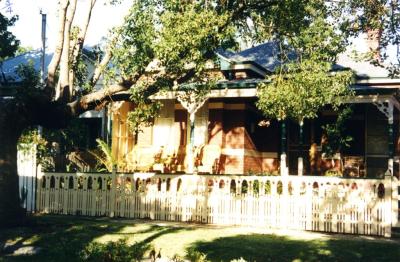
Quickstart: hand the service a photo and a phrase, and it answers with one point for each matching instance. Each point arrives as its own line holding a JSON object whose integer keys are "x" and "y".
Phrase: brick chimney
{"x": 373, "y": 40}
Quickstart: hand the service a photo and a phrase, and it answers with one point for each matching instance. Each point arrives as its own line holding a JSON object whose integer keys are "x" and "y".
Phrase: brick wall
{"x": 230, "y": 129}
{"x": 216, "y": 134}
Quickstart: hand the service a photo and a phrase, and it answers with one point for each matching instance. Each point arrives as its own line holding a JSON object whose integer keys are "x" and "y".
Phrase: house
{"x": 224, "y": 138}
{"x": 227, "y": 134}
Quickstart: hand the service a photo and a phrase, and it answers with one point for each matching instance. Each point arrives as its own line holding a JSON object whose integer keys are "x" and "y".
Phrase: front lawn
{"x": 62, "y": 238}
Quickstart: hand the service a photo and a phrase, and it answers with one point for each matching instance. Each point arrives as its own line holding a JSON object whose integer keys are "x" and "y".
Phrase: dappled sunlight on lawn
{"x": 257, "y": 247}
{"x": 65, "y": 237}
{"x": 58, "y": 237}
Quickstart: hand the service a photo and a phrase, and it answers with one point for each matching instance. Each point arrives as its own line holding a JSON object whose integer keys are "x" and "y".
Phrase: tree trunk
{"x": 11, "y": 212}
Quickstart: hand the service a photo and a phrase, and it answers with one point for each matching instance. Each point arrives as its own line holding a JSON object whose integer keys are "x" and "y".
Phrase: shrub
{"x": 118, "y": 251}
{"x": 196, "y": 256}
{"x": 239, "y": 260}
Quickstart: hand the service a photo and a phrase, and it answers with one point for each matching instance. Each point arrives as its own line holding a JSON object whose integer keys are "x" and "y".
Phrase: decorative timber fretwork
{"x": 191, "y": 102}
{"x": 386, "y": 108}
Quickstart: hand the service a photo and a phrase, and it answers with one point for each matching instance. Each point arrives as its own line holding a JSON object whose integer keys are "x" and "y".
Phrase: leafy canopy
{"x": 172, "y": 41}
{"x": 303, "y": 91}
{"x": 9, "y": 43}
{"x": 336, "y": 138}
{"x": 382, "y": 17}
{"x": 165, "y": 44}
{"x": 302, "y": 86}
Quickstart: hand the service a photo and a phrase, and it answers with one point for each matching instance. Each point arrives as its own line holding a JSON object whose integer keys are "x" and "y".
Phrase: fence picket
{"x": 305, "y": 203}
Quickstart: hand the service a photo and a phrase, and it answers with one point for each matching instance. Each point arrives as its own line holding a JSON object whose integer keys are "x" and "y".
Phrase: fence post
{"x": 387, "y": 214}
{"x": 38, "y": 189}
{"x": 395, "y": 202}
{"x": 57, "y": 207}
{"x": 47, "y": 195}
{"x": 113, "y": 187}
{"x": 66, "y": 193}
{"x": 85, "y": 195}
{"x": 75, "y": 195}
{"x": 285, "y": 207}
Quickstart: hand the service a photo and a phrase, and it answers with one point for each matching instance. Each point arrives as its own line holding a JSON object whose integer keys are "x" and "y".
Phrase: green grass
{"x": 62, "y": 238}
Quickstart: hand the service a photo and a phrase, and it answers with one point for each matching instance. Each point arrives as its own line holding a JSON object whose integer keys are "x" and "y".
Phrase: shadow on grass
{"x": 257, "y": 247}
{"x": 62, "y": 238}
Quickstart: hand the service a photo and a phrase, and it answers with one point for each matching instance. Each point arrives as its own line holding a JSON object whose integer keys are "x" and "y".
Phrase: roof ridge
{"x": 22, "y": 54}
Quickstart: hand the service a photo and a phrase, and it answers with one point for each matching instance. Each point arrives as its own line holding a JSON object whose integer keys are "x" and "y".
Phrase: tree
{"x": 9, "y": 43}
{"x": 162, "y": 44}
{"x": 381, "y": 18}
{"x": 305, "y": 84}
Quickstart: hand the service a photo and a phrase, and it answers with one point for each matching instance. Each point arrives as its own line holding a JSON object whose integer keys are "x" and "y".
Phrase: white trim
{"x": 382, "y": 81}
{"x": 247, "y": 66}
{"x": 374, "y": 99}
{"x": 227, "y": 92}
{"x": 236, "y": 65}
{"x": 219, "y": 105}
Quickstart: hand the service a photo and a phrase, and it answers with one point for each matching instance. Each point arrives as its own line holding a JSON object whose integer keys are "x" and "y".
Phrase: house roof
{"x": 265, "y": 56}
{"x": 363, "y": 69}
{"x": 9, "y": 68}
{"x": 10, "y": 65}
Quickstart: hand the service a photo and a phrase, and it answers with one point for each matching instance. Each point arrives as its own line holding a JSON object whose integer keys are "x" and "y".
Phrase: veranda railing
{"x": 328, "y": 204}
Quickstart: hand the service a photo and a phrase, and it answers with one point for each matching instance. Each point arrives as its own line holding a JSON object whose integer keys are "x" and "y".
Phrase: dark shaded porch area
{"x": 372, "y": 142}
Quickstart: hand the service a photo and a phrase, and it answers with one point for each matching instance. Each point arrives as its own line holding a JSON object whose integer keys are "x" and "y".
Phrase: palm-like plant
{"x": 104, "y": 156}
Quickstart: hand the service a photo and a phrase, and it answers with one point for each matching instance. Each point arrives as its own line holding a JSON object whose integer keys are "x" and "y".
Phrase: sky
{"x": 28, "y": 27}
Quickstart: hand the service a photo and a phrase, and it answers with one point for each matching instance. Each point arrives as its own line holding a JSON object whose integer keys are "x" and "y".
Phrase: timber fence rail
{"x": 328, "y": 204}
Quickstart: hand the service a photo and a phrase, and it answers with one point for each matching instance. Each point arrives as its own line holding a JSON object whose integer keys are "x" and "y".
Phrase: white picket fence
{"x": 27, "y": 169}
{"x": 328, "y": 204}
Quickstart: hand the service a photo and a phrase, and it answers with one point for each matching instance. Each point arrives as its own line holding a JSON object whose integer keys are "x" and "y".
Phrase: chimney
{"x": 373, "y": 41}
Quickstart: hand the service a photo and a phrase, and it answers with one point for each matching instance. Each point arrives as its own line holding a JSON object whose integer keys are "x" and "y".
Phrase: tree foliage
{"x": 335, "y": 134}
{"x": 303, "y": 91}
{"x": 305, "y": 82}
{"x": 9, "y": 43}
{"x": 381, "y": 17}
{"x": 163, "y": 44}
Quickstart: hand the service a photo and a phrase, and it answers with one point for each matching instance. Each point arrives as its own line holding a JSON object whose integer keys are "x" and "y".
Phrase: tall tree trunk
{"x": 11, "y": 212}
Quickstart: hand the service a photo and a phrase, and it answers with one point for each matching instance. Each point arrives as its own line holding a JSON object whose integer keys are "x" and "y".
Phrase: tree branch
{"x": 65, "y": 91}
{"x": 104, "y": 61}
{"x": 63, "y": 6}
{"x": 94, "y": 100}
{"x": 100, "y": 67}
{"x": 78, "y": 45}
